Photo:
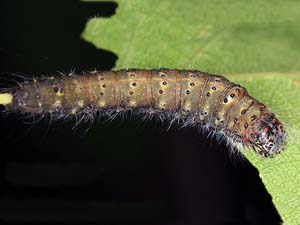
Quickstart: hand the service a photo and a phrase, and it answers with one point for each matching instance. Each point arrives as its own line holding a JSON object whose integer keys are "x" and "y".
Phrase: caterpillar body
{"x": 190, "y": 96}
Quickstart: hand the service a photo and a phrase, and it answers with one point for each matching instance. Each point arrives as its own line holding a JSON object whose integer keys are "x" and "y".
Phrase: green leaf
{"x": 257, "y": 40}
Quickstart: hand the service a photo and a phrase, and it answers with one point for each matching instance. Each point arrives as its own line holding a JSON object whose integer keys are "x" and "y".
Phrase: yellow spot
{"x": 80, "y": 103}
{"x": 100, "y": 77}
{"x": 74, "y": 111}
{"x": 162, "y": 105}
{"x": 162, "y": 74}
{"x": 6, "y": 99}
{"x": 101, "y": 104}
{"x": 59, "y": 94}
{"x": 57, "y": 103}
{"x": 40, "y": 104}
{"x": 132, "y": 103}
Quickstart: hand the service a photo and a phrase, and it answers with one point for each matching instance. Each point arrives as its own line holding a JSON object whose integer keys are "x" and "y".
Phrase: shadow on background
{"x": 42, "y": 37}
{"x": 122, "y": 172}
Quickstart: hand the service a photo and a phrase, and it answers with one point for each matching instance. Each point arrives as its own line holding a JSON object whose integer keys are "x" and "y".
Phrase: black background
{"x": 126, "y": 171}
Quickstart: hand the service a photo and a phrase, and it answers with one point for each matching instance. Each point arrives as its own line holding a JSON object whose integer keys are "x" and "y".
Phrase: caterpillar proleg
{"x": 192, "y": 97}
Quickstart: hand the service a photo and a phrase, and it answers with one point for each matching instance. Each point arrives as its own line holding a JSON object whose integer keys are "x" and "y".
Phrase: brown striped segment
{"x": 201, "y": 110}
{"x": 246, "y": 121}
{"x": 53, "y": 94}
{"x": 115, "y": 77}
{"x": 178, "y": 90}
{"x": 123, "y": 90}
{"x": 163, "y": 83}
{"x": 191, "y": 84}
{"x": 148, "y": 89}
{"x": 103, "y": 90}
{"x": 133, "y": 88}
{"x": 44, "y": 96}
{"x": 232, "y": 95}
{"x": 236, "y": 112}
{"x": 62, "y": 92}
{"x": 70, "y": 95}
{"x": 214, "y": 88}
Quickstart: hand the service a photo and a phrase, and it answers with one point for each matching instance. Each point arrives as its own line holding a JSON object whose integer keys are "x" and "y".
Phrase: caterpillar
{"x": 192, "y": 97}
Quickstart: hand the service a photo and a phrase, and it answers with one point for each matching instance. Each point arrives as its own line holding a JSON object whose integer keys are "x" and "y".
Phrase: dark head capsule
{"x": 269, "y": 136}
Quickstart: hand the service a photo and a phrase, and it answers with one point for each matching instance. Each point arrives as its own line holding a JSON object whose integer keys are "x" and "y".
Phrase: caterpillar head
{"x": 268, "y": 135}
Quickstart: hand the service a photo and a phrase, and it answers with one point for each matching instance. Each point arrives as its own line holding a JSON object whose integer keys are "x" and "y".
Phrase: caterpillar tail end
{"x": 6, "y": 98}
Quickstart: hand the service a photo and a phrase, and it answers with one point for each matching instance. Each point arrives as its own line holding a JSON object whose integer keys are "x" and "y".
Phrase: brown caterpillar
{"x": 190, "y": 96}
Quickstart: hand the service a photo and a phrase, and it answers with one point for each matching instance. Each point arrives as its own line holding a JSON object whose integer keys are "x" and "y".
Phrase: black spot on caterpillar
{"x": 191, "y": 97}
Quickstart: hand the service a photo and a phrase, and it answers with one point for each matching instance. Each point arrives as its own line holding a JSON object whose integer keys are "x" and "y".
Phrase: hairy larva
{"x": 192, "y": 97}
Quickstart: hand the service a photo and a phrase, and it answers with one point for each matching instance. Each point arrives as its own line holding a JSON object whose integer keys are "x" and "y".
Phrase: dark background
{"x": 125, "y": 171}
